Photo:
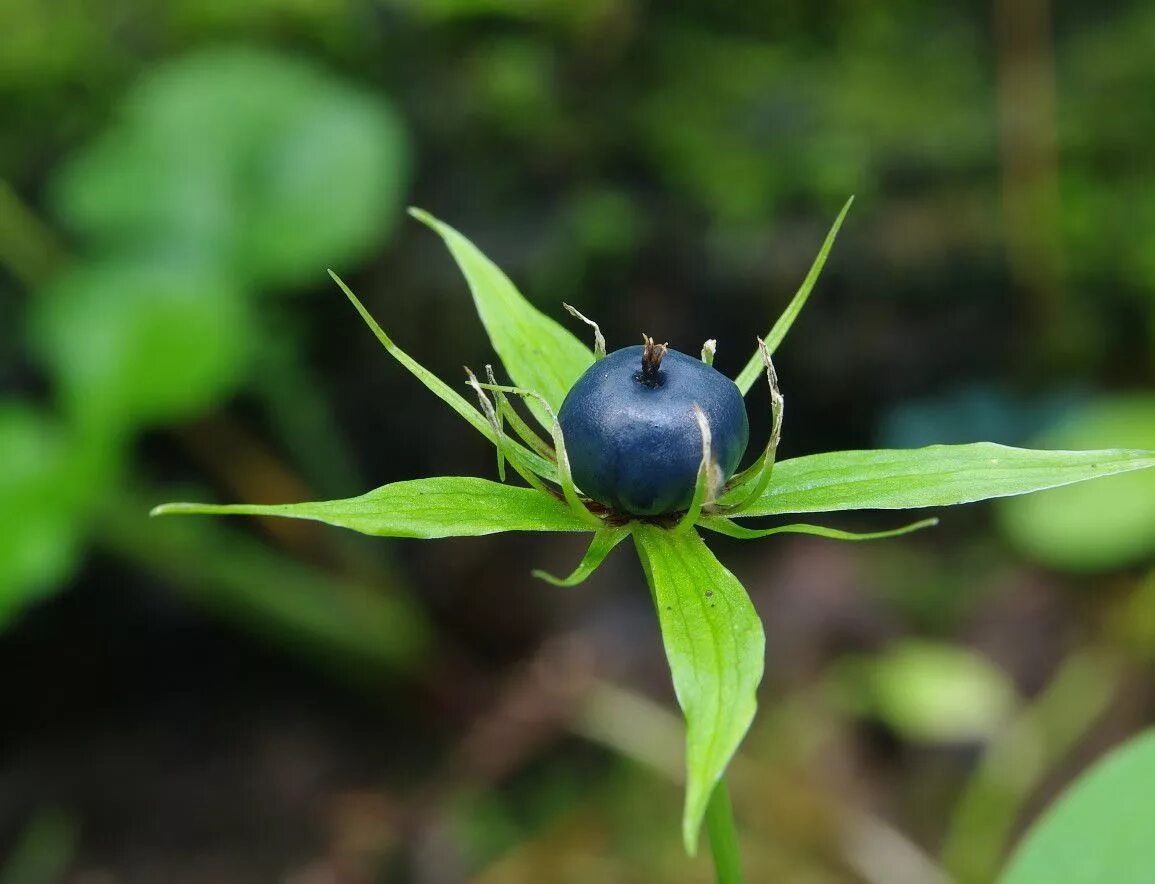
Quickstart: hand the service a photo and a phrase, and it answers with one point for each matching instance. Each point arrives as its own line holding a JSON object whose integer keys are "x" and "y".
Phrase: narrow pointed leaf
{"x": 715, "y": 647}
{"x": 449, "y": 506}
{"x": 775, "y": 336}
{"x": 438, "y": 387}
{"x": 601, "y": 546}
{"x": 939, "y": 475}
{"x": 537, "y": 351}
{"x": 730, "y": 529}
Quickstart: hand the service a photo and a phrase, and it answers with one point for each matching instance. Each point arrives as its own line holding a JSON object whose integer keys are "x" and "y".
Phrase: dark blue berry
{"x": 634, "y": 443}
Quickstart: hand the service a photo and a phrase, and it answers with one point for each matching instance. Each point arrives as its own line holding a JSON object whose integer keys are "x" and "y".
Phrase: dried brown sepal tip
{"x": 651, "y": 361}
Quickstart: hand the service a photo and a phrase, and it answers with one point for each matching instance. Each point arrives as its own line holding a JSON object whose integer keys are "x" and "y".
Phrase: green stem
{"x": 723, "y": 836}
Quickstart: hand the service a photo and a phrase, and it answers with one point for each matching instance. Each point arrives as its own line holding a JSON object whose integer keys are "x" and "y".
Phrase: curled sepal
{"x": 749, "y": 373}
{"x": 708, "y": 475}
{"x": 528, "y": 435}
{"x": 507, "y": 449}
{"x": 715, "y": 647}
{"x": 605, "y": 539}
{"x": 447, "y": 506}
{"x": 564, "y": 473}
{"x": 438, "y": 387}
{"x": 722, "y": 525}
{"x": 709, "y": 349}
{"x": 748, "y": 486}
{"x": 494, "y": 419}
{"x": 599, "y": 340}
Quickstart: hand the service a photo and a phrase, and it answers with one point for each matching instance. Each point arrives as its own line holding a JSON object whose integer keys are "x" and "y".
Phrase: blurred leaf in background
{"x": 257, "y": 163}
{"x": 43, "y": 498}
{"x": 927, "y": 691}
{"x": 1098, "y": 526}
{"x": 228, "y": 173}
{"x": 133, "y": 342}
{"x": 1100, "y": 829}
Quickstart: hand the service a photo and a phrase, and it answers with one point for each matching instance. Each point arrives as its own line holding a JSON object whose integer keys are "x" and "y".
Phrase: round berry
{"x": 633, "y": 440}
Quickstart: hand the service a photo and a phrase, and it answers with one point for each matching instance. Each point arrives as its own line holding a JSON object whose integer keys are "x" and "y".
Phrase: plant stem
{"x": 723, "y": 836}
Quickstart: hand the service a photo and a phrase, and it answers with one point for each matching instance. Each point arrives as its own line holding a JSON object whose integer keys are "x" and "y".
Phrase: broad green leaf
{"x": 777, "y": 333}
{"x": 133, "y": 341}
{"x": 715, "y": 647}
{"x": 601, "y": 546}
{"x": 537, "y": 351}
{"x": 449, "y": 506}
{"x": 438, "y": 387}
{"x": 939, "y": 475}
{"x": 1099, "y": 829}
{"x": 262, "y": 164}
{"x": 1054, "y": 527}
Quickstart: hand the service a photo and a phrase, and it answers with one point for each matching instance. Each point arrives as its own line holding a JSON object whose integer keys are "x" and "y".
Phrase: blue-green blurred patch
{"x": 971, "y": 412}
{"x": 262, "y": 164}
{"x": 1095, "y": 525}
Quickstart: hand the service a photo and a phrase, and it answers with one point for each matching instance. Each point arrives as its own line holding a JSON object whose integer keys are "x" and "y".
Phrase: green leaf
{"x": 715, "y": 647}
{"x": 601, "y": 546}
{"x": 939, "y": 475}
{"x": 132, "y": 341}
{"x": 259, "y": 163}
{"x": 538, "y": 352}
{"x": 777, "y": 334}
{"x": 449, "y": 506}
{"x": 42, "y": 507}
{"x": 1099, "y": 830}
{"x": 438, "y": 387}
{"x": 1054, "y": 527}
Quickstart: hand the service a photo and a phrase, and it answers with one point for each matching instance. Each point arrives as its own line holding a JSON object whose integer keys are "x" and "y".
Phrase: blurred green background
{"x": 219, "y": 701}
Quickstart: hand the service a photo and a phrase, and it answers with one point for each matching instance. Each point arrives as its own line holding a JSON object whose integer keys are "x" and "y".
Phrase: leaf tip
{"x": 690, "y": 835}
{"x": 421, "y": 215}
{"x": 545, "y": 576}
{"x": 169, "y": 509}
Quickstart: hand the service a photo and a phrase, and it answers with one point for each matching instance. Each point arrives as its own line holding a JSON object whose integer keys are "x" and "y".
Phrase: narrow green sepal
{"x": 749, "y": 373}
{"x": 564, "y": 474}
{"x": 722, "y": 525}
{"x": 604, "y": 541}
{"x": 438, "y": 387}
